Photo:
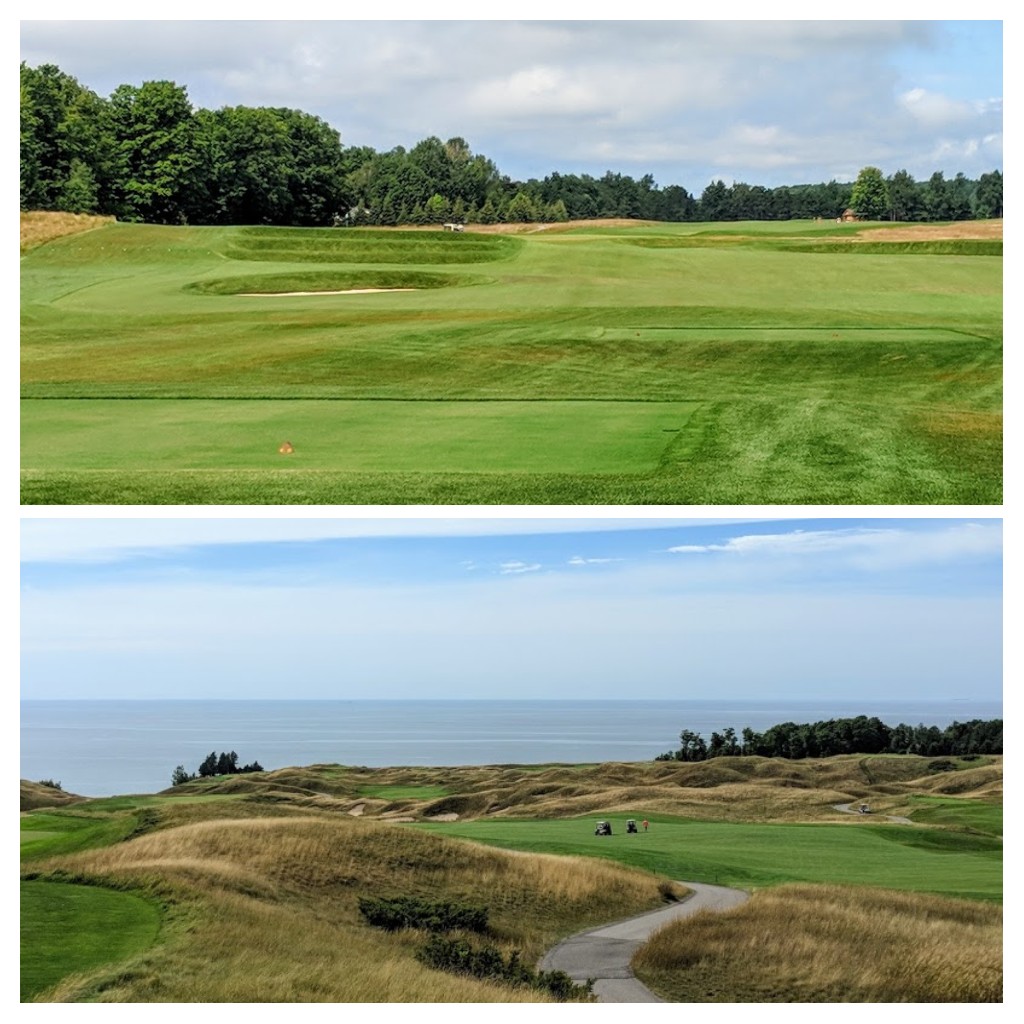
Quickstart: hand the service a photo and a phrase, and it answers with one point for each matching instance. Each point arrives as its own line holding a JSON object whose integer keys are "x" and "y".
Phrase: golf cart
{"x": 604, "y": 828}
{"x": 631, "y": 825}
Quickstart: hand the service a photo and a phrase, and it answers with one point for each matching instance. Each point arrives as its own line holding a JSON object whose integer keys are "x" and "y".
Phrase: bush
{"x": 488, "y": 963}
{"x": 431, "y": 915}
{"x": 50, "y": 783}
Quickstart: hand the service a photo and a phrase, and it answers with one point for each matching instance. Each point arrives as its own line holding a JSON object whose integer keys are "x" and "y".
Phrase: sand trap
{"x": 347, "y": 291}
{"x": 357, "y": 810}
{"x": 443, "y": 817}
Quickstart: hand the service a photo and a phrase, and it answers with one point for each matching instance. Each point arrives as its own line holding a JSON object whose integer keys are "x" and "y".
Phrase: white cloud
{"x": 102, "y": 540}
{"x": 507, "y": 568}
{"x": 799, "y": 100}
{"x": 579, "y": 560}
{"x": 867, "y": 548}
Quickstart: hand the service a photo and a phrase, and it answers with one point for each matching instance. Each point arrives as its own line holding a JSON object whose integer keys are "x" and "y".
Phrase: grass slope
{"x": 258, "y": 877}
{"x": 827, "y": 944}
{"x": 88, "y": 925}
{"x": 797, "y": 377}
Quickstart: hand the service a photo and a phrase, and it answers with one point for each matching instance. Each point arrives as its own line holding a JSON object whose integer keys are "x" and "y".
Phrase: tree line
{"x": 146, "y": 154}
{"x": 860, "y": 735}
{"x": 214, "y": 764}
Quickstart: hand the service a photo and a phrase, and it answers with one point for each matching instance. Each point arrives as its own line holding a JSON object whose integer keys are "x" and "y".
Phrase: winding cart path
{"x": 604, "y": 953}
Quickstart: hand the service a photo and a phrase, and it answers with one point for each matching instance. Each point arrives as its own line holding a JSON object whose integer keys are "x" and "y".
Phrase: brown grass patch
{"x": 978, "y": 229}
{"x": 947, "y": 424}
{"x": 41, "y": 226}
{"x": 266, "y": 909}
{"x": 802, "y": 943}
{"x": 34, "y": 795}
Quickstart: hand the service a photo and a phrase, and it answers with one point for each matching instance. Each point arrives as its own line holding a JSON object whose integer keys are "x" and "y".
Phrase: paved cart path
{"x": 604, "y": 953}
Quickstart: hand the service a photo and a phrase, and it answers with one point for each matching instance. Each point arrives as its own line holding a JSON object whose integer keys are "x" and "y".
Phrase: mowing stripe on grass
{"x": 395, "y": 436}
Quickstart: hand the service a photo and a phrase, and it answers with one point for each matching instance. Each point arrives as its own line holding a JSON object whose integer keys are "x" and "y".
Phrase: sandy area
{"x": 357, "y": 810}
{"x": 443, "y": 817}
{"x": 347, "y": 291}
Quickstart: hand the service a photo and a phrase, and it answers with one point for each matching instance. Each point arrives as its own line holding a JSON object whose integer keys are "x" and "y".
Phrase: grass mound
{"x": 334, "y": 245}
{"x": 74, "y": 929}
{"x": 829, "y": 944}
{"x": 38, "y": 794}
{"x": 267, "y": 908}
{"x": 326, "y": 281}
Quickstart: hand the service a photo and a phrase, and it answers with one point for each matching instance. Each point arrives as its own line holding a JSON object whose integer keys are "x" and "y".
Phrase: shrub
{"x": 488, "y": 963}
{"x": 431, "y": 915}
{"x": 50, "y": 783}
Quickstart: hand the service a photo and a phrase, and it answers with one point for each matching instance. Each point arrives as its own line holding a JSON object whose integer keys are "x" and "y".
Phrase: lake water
{"x": 103, "y": 748}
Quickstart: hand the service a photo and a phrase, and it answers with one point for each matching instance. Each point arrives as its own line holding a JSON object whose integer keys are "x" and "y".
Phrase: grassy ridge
{"x": 265, "y": 909}
{"x": 819, "y": 378}
{"x": 259, "y": 876}
{"x": 826, "y": 944}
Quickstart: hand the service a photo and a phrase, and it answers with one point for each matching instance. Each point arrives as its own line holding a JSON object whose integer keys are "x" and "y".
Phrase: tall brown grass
{"x": 266, "y": 909}
{"x": 39, "y": 226}
{"x": 734, "y": 788}
{"x": 802, "y": 943}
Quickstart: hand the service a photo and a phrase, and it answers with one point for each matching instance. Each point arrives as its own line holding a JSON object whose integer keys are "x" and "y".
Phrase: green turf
{"x": 976, "y": 815}
{"x": 800, "y": 377}
{"x": 518, "y": 437}
{"x": 750, "y": 856}
{"x": 44, "y": 833}
{"x": 66, "y": 929}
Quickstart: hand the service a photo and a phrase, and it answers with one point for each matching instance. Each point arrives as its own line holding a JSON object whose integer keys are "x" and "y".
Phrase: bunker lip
{"x": 344, "y": 291}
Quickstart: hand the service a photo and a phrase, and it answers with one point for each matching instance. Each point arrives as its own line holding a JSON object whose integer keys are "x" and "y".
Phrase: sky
{"x": 770, "y": 103}
{"x": 523, "y": 608}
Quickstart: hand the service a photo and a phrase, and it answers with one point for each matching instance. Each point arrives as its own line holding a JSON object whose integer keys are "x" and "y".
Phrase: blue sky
{"x": 531, "y": 608}
{"x": 775, "y": 102}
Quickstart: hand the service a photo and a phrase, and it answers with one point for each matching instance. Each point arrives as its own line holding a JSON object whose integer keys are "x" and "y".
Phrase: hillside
{"x": 727, "y": 788}
{"x": 247, "y": 888}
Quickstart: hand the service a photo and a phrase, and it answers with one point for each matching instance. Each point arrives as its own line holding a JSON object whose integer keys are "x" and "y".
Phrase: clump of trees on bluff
{"x": 146, "y": 154}
{"x": 861, "y": 735}
{"x": 214, "y": 764}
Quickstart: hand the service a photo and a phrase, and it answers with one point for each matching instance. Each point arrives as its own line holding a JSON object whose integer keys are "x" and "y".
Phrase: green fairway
{"x": 751, "y": 856}
{"x": 66, "y": 929}
{"x": 478, "y": 437}
{"x": 699, "y": 364}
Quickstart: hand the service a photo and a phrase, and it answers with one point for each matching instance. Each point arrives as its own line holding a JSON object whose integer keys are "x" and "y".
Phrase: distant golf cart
{"x": 631, "y": 826}
{"x": 604, "y": 828}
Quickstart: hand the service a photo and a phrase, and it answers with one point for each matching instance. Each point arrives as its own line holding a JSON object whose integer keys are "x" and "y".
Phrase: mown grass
{"x": 67, "y": 831}
{"x": 325, "y": 281}
{"x": 89, "y": 925}
{"x": 812, "y": 377}
{"x": 829, "y": 944}
{"x": 358, "y": 437}
{"x": 978, "y": 816}
{"x": 751, "y": 856}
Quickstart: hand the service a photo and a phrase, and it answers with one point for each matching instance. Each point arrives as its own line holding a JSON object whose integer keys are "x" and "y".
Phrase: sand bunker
{"x": 346, "y": 291}
{"x": 357, "y": 810}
